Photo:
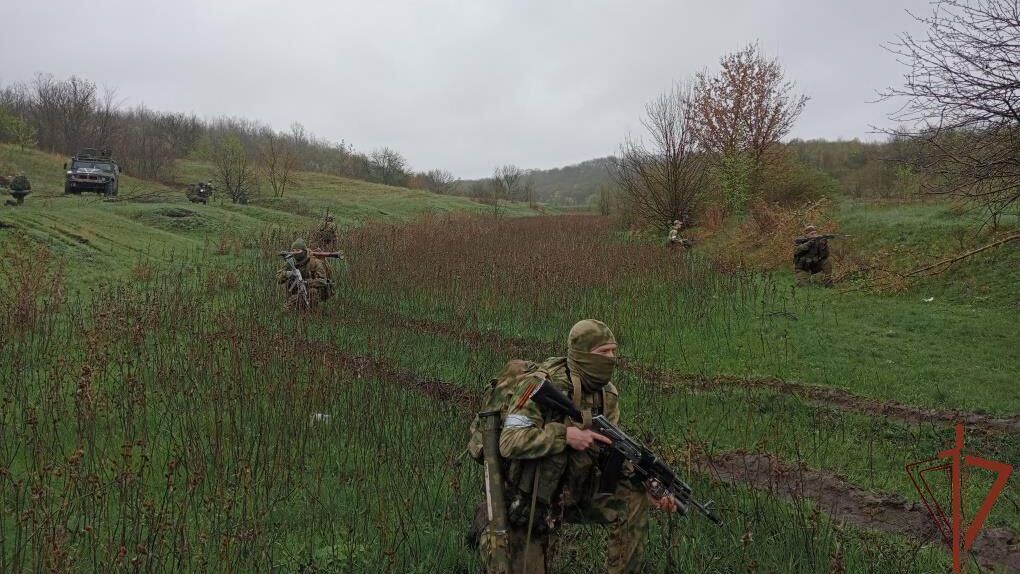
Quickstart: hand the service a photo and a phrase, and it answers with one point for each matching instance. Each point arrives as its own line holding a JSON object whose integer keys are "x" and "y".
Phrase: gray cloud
{"x": 458, "y": 84}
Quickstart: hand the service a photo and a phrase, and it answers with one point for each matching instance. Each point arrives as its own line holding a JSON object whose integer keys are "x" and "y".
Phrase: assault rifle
{"x": 296, "y": 283}
{"x": 656, "y": 475}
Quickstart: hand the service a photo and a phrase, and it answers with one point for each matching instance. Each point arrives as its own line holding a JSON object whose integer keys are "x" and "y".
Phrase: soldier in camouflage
{"x": 674, "y": 232}
{"x": 314, "y": 273}
{"x": 811, "y": 258}
{"x": 553, "y": 464}
{"x": 327, "y": 236}
{"x": 18, "y": 186}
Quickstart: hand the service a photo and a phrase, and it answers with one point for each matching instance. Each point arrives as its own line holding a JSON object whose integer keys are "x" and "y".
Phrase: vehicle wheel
{"x": 67, "y": 188}
{"x": 109, "y": 190}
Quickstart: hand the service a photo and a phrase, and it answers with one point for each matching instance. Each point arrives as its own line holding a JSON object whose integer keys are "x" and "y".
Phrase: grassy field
{"x": 151, "y": 223}
{"x": 181, "y": 420}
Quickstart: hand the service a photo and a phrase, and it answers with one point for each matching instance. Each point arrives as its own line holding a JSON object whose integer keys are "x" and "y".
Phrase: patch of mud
{"x": 845, "y": 502}
{"x": 360, "y": 366}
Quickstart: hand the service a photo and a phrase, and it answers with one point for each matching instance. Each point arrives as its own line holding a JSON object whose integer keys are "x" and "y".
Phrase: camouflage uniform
{"x": 326, "y": 236}
{"x": 313, "y": 271}
{"x": 19, "y": 187}
{"x": 564, "y": 481}
{"x": 674, "y": 233}
{"x": 811, "y": 259}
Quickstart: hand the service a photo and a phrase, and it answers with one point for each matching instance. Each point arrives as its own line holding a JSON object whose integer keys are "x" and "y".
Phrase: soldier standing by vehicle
{"x": 811, "y": 258}
{"x": 306, "y": 276}
{"x": 553, "y": 465}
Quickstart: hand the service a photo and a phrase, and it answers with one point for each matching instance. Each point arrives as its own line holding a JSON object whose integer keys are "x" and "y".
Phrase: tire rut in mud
{"x": 669, "y": 379}
{"x": 843, "y": 501}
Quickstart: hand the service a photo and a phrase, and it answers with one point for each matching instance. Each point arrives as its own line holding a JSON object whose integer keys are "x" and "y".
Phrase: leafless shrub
{"x": 960, "y": 100}
{"x": 664, "y": 180}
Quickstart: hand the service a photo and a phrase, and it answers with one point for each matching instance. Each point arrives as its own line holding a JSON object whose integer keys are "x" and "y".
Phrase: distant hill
{"x": 572, "y": 184}
{"x": 568, "y": 185}
{"x": 858, "y": 169}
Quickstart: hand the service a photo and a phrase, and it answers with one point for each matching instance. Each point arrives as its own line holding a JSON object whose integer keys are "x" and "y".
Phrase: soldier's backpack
{"x": 496, "y": 395}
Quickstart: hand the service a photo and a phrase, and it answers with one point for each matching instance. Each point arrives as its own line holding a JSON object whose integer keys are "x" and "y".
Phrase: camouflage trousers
{"x": 296, "y": 303}
{"x": 626, "y": 514}
{"x": 822, "y": 276}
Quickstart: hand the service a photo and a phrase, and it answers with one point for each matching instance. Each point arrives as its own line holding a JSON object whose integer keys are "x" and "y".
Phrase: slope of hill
{"x": 154, "y": 222}
{"x": 571, "y": 184}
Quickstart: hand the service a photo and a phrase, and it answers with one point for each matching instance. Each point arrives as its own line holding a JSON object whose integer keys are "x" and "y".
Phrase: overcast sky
{"x": 461, "y": 85}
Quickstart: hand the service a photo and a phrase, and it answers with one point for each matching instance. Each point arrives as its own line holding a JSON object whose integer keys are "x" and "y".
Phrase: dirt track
{"x": 843, "y": 501}
{"x": 824, "y": 396}
{"x": 836, "y": 496}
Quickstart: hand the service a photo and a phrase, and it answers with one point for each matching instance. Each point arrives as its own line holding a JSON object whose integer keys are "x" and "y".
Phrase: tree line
{"x": 66, "y": 116}
{"x": 714, "y": 141}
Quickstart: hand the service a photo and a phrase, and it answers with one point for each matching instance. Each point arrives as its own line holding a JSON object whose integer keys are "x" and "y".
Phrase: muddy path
{"x": 843, "y": 501}
{"x": 833, "y": 398}
{"x": 671, "y": 379}
{"x": 764, "y": 472}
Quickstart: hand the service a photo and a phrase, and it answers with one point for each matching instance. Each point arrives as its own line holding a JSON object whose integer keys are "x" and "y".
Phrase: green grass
{"x": 914, "y": 235}
{"x": 153, "y": 223}
{"x": 210, "y": 377}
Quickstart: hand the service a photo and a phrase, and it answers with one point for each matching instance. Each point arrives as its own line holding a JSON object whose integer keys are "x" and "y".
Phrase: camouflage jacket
{"x": 531, "y": 433}
{"x": 313, "y": 268}
{"x": 20, "y": 183}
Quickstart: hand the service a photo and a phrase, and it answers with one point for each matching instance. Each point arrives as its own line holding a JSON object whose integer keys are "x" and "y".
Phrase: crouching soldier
{"x": 811, "y": 258}
{"x": 307, "y": 278}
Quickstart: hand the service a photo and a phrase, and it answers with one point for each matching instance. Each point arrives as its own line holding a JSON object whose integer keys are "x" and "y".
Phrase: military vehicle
{"x": 92, "y": 170}
{"x": 200, "y": 192}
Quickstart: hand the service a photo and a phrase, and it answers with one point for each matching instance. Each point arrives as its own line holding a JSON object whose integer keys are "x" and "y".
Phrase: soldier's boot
{"x": 525, "y": 558}
{"x": 528, "y": 558}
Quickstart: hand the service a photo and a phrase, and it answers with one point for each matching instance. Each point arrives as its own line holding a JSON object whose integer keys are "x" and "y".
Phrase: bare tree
{"x": 605, "y": 200}
{"x": 278, "y": 161}
{"x": 746, "y": 108}
{"x": 143, "y": 145}
{"x": 439, "y": 181}
{"x": 182, "y": 132}
{"x": 388, "y": 166}
{"x": 664, "y": 180}
{"x": 508, "y": 178}
{"x": 961, "y": 101}
{"x": 235, "y": 173}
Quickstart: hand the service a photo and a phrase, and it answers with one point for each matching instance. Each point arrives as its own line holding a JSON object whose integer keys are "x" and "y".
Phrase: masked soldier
{"x": 553, "y": 465}
{"x": 811, "y": 258}
{"x": 311, "y": 272}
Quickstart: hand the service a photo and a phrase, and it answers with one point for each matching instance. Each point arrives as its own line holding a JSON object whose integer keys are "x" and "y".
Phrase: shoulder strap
{"x": 576, "y": 395}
